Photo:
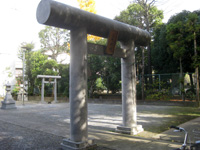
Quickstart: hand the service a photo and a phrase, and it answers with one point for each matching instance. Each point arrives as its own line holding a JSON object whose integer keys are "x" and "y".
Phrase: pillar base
{"x": 8, "y": 105}
{"x": 130, "y": 130}
{"x": 43, "y": 102}
{"x": 54, "y": 102}
{"x": 71, "y": 145}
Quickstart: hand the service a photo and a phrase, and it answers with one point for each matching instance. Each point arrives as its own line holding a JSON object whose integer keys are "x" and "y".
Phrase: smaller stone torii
{"x": 55, "y": 86}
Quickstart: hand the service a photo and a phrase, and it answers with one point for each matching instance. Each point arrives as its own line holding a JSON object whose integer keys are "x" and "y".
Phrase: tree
{"x": 180, "y": 43}
{"x": 26, "y": 49}
{"x": 145, "y": 15}
{"x": 162, "y": 57}
{"x": 176, "y": 40}
{"x": 95, "y": 70}
{"x": 112, "y": 81}
{"x": 39, "y": 65}
{"x": 89, "y": 5}
{"x": 193, "y": 26}
{"x": 63, "y": 83}
{"x": 54, "y": 40}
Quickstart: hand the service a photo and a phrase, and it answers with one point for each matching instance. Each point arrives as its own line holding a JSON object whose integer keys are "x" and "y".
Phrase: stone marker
{"x": 9, "y": 102}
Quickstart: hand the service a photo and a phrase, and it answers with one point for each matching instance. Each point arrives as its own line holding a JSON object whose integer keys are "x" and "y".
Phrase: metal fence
{"x": 156, "y": 87}
{"x": 169, "y": 86}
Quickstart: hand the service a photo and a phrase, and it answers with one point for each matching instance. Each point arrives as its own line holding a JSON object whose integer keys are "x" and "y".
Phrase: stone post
{"x": 128, "y": 73}
{"x": 8, "y": 102}
{"x": 42, "y": 91}
{"x": 55, "y": 91}
{"x": 78, "y": 93}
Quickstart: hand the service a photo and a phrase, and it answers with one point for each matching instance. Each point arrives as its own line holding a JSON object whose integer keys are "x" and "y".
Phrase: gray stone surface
{"x": 128, "y": 75}
{"x": 78, "y": 91}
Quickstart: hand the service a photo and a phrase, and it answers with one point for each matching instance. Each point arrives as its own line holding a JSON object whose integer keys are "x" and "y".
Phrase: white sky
{"x": 18, "y": 21}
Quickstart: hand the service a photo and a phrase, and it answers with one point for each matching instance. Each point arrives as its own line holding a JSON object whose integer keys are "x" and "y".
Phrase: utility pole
{"x": 23, "y": 72}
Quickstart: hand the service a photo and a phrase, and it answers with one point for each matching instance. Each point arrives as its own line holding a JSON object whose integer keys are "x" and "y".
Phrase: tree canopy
{"x": 54, "y": 40}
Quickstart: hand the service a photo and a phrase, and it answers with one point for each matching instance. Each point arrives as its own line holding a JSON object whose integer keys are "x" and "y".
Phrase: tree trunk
{"x": 181, "y": 80}
{"x": 196, "y": 70}
{"x": 197, "y": 86}
{"x": 143, "y": 98}
{"x": 149, "y": 64}
{"x": 191, "y": 80}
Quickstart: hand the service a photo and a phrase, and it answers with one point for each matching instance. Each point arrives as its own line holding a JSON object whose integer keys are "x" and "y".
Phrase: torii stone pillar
{"x": 55, "y": 86}
{"x": 81, "y": 23}
{"x": 128, "y": 75}
{"x": 78, "y": 86}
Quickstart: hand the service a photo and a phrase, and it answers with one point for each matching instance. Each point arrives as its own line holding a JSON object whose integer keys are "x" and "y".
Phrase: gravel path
{"x": 43, "y": 126}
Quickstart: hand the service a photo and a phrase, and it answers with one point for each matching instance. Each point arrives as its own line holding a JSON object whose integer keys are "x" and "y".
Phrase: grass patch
{"x": 178, "y": 115}
{"x": 176, "y": 120}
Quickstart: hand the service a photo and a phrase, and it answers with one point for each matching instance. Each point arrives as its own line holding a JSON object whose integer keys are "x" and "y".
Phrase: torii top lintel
{"x": 60, "y": 15}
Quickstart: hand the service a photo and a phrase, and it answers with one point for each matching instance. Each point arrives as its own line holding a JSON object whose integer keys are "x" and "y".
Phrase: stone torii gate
{"x": 55, "y": 86}
{"x": 81, "y": 23}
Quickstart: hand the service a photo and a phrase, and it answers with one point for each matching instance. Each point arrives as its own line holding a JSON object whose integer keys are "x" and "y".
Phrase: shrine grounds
{"x": 44, "y": 126}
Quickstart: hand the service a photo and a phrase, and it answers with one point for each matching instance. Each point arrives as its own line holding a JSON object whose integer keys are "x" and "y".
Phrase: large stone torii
{"x": 81, "y": 23}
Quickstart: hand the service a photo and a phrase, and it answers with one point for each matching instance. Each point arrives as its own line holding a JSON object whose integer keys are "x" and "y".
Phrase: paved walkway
{"x": 43, "y": 126}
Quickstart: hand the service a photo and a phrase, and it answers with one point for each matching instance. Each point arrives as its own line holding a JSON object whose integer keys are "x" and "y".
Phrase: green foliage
{"x": 25, "y": 47}
{"x": 135, "y": 14}
{"x": 105, "y": 68}
{"x": 112, "y": 74}
{"x": 144, "y": 15}
{"x": 49, "y": 67}
{"x": 139, "y": 91}
{"x": 176, "y": 38}
{"x": 190, "y": 94}
{"x": 95, "y": 69}
{"x": 162, "y": 58}
{"x": 193, "y": 27}
{"x": 15, "y": 90}
{"x": 63, "y": 83}
{"x": 99, "y": 85}
{"x": 174, "y": 41}
{"x": 39, "y": 65}
{"x": 153, "y": 93}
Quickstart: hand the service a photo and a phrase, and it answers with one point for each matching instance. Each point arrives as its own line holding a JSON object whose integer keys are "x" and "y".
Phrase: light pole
{"x": 23, "y": 71}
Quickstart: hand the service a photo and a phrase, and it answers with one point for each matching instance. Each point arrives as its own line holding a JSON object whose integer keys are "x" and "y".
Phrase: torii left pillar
{"x": 78, "y": 93}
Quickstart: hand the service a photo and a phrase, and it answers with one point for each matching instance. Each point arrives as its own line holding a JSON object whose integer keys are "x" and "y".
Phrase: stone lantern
{"x": 8, "y": 102}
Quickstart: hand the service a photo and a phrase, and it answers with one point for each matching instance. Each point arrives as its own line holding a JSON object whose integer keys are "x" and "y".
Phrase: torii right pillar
{"x": 128, "y": 75}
